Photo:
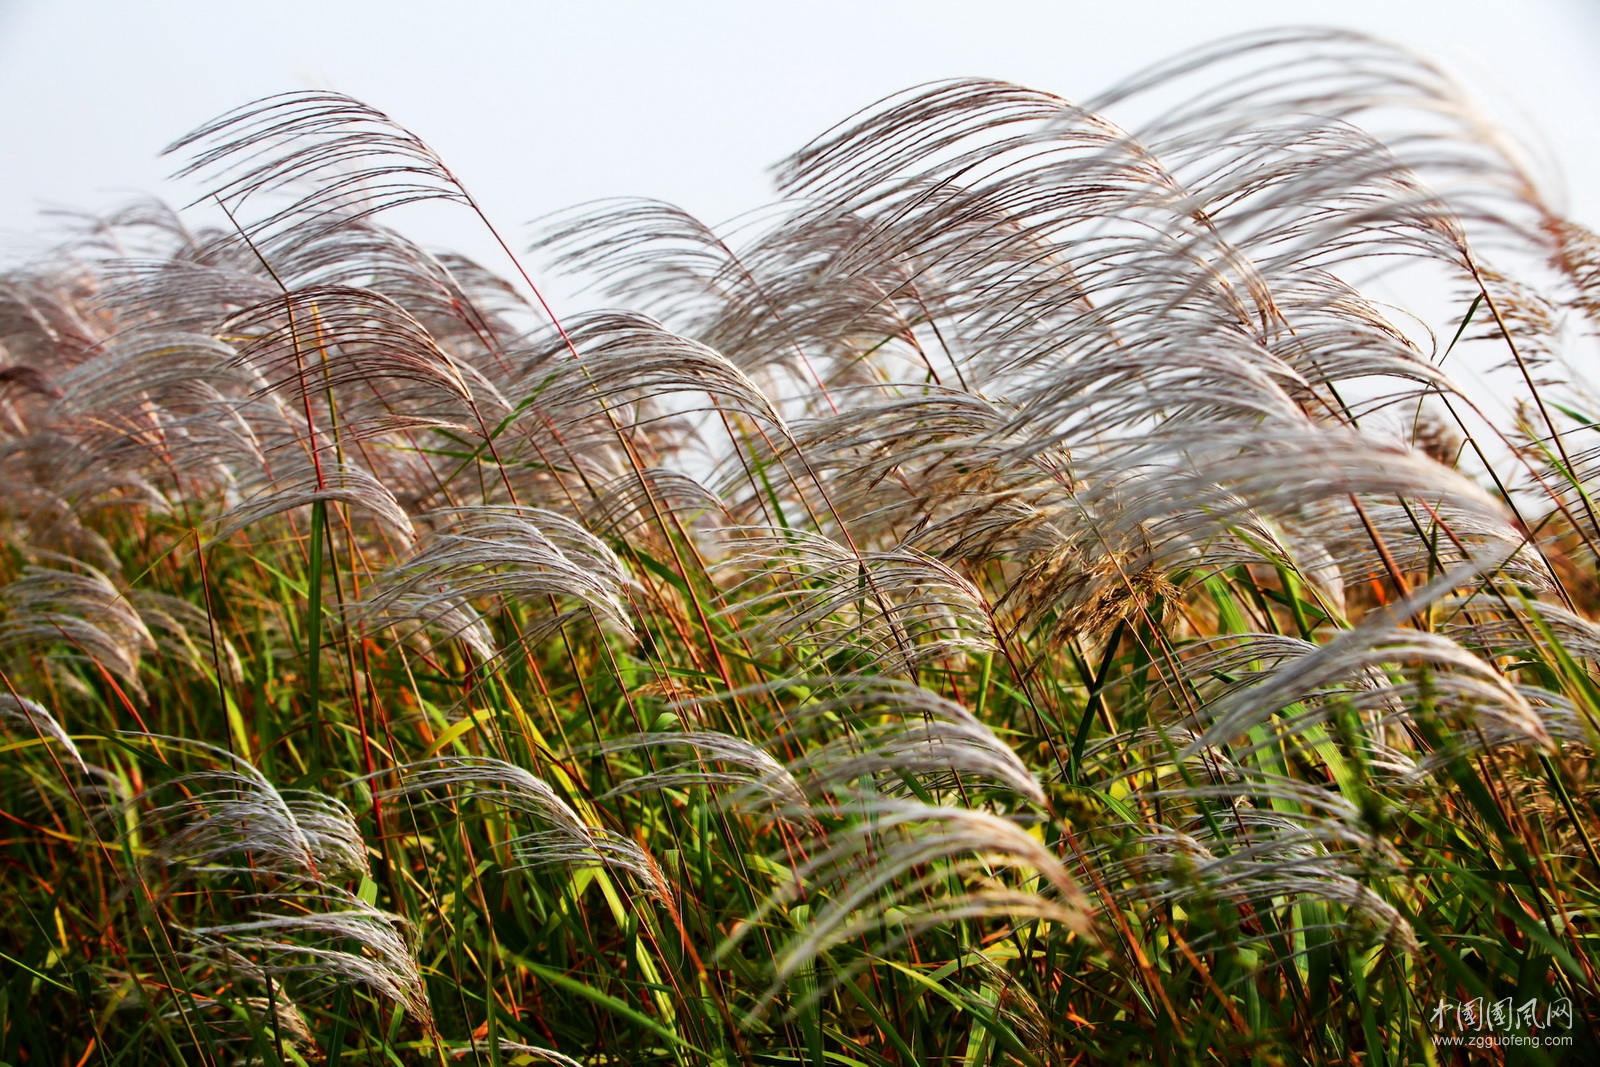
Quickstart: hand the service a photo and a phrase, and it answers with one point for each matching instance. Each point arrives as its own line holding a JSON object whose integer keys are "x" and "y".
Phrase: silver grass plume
{"x": 1354, "y": 654}
{"x": 759, "y": 781}
{"x": 632, "y": 505}
{"x": 1269, "y": 870}
{"x": 1233, "y": 833}
{"x": 24, "y": 717}
{"x": 470, "y": 313}
{"x": 308, "y": 943}
{"x": 631, "y": 361}
{"x": 870, "y": 729}
{"x": 163, "y": 367}
{"x": 571, "y": 842}
{"x": 298, "y": 484}
{"x": 901, "y": 858}
{"x": 500, "y": 553}
{"x": 34, "y": 509}
{"x": 353, "y": 160}
{"x": 79, "y": 608}
{"x": 888, "y": 728}
{"x": 231, "y": 1021}
{"x": 231, "y": 818}
{"x": 359, "y": 344}
{"x": 899, "y": 607}
{"x": 175, "y": 623}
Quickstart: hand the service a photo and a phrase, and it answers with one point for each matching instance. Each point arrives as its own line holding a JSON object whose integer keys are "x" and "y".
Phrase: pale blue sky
{"x": 540, "y": 105}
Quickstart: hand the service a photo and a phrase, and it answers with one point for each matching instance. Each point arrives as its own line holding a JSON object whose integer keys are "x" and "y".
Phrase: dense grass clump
{"x": 1030, "y": 600}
